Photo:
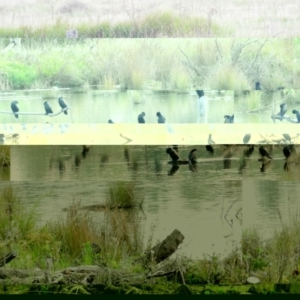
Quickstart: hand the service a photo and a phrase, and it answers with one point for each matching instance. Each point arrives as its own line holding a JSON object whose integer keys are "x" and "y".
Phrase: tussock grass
{"x": 122, "y": 195}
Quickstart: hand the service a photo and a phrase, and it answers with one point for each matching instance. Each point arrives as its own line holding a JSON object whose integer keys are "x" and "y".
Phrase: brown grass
{"x": 248, "y": 18}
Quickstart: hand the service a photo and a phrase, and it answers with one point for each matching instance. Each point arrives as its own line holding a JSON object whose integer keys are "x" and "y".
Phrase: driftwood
{"x": 287, "y": 118}
{"x": 163, "y": 250}
{"x": 86, "y": 275}
{"x": 7, "y": 258}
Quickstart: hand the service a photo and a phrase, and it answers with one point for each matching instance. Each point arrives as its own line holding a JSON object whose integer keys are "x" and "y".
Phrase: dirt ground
{"x": 247, "y": 18}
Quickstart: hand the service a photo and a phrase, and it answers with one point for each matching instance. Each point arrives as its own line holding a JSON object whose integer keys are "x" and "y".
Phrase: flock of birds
{"x": 161, "y": 119}
{"x": 48, "y": 109}
{"x": 141, "y": 120}
{"x": 265, "y": 157}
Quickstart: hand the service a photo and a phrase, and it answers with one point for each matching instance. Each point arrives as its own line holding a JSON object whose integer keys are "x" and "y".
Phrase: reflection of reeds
{"x": 15, "y": 220}
{"x": 5, "y": 156}
{"x": 122, "y": 195}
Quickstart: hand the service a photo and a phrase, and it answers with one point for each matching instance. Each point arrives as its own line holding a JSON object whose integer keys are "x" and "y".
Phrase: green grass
{"x": 134, "y": 64}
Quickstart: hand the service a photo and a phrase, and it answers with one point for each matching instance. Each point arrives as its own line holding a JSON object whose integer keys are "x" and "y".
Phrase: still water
{"x": 96, "y": 106}
{"x": 203, "y": 202}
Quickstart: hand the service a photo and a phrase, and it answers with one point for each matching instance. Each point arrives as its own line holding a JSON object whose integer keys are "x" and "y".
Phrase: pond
{"x": 208, "y": 197}
{"x": 203, "y": 202}
{"x": 96, "y": 106}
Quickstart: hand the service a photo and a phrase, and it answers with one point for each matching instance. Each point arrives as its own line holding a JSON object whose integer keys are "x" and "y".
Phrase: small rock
{"x": 253, "y": 280}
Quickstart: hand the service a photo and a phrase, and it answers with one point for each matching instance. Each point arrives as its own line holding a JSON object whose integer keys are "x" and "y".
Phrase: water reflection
{"x": 202, "y": 200}
{"x": 268, "y": 204}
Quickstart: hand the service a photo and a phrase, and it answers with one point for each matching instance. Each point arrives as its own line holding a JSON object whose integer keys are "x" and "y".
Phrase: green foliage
{"x": 20, "y": 75}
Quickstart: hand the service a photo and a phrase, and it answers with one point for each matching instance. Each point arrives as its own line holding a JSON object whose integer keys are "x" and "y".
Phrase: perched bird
{"x": 200, "y": 93}
{"x": 141, "y": 119}
{"x": 257, "y": 86}
{"x": 192, "y": 156}
{"x": 296, "y": 112}
{"x": 15, "y": 108}
{"x": 287, "y": 150}
{"x": 264, "y": 153}
{"x": 48, "y": 109}
{"x": 85, "y": 150}
{"x": 173, "y": 154}
{"x": 110, "y": 121}
{"x": 62, "y": 104}
{"x": 283, "y": 110}
{"x": 249, "y": 151}
{"x": 246, "y": 138}
{"x": 210, "y": 149}
{"x": 161, "y": 119}
{"x": 229, "y": 119}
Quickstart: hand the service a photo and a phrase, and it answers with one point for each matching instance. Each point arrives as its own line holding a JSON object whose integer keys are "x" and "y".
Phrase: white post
{"x": 202, "y": 107}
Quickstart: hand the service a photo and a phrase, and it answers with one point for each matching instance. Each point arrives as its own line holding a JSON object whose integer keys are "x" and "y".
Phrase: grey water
{"x": 203, "y": 202}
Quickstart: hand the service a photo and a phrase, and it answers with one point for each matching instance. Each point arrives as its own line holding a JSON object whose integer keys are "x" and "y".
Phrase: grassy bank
{"x": 115, "y": 241}
{"x": 177, "y": 64}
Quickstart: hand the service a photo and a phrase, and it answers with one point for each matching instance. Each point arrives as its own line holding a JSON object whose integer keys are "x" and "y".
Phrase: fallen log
{"x": 287, "y": 118}
{"x": 7, "y": 258}
{"x": 91, "y": 274}
{"x": 162, "y": 250}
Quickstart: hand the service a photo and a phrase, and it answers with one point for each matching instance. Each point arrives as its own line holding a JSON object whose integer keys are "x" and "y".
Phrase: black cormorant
{"x": 161, "y": 119}
{"x": 15, "y": 108}
{"x": 192, "y": 156}
{"x": 62, "y": 104}
{"x": 264, "y": 153}
{"x": 296, "y": 112}
{"x": 85, "y": 150}
{"x": 257, "y": 86}
{"x": 229, "y": 119}
{"x": 48, "y": 109}
{"x": 249, "y": 151}
{"x": 141, "y": 119}
{"x": 173, "y": 154}
{"x": 283, "y": 110}
{"x": 200, "y": 93}
{"x": 287, "y": 150}
{"x": 210, "y": 149}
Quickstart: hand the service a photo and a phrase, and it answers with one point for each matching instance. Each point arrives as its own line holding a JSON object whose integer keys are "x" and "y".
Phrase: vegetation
{"x": 116, "y": 240}
{"x": 154, "y": 25}
{"x": 135, "y": 64}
